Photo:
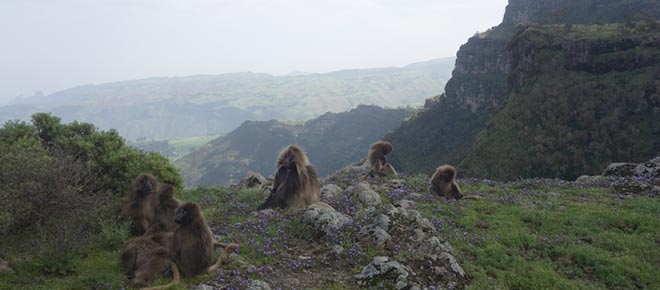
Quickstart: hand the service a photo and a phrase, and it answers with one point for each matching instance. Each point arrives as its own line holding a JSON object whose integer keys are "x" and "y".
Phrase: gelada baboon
{"x": 443, "y": 183}
{"x": 377, "y": 160}
{"x": 164, "y": 211}
{"x": 141, "y": 202}
{"x": 296, "y": 183}
{"x": 147, "y": 258}
{"x": 193, "y": 243}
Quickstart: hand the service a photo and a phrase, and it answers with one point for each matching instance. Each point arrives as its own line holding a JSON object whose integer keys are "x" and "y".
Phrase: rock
{"x": 330, "y": 191}
{"x": 251, "y": 269}
{"x": 253, "y": 180}
{"x": 649, "y": 170}
{"x": 420, "y": 221}
{"x": 383, "y": 268}
{"x": 419, "y": 235}
{"x": 451, "y": 285}
{"x": 434, "y": 245}
{"x": 404, "y": 203}
{"x": 401, "y": 285}
{"x": 631, "y": 186}
{"x": 324, "y": 218}
{"x": 258, "y": 285}
{"x": 597, "y": 180}
{"x": 392, "y": 211}
{"x": 379, "y": 235}
{"x": 364, "y": 195}
{"x": 383, "y": 222}
{"x": 203, "y": 287}
{"x": 620, "y": 169}
{"x": 268, "y": 212}
{"x": 449, "y": 260}
{"x": 396, "y": 183}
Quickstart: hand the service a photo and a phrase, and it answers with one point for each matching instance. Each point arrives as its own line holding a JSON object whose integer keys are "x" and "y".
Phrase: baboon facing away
{"x": 443, "y": 183}
{"x": 193, "y": 243}
{"x": 164, "y": 211}
{"x": 147, "y": 258}
{"x": 296, "y": 183}
{"x": 377, "y": 160}
{"x": 140, "y": 203}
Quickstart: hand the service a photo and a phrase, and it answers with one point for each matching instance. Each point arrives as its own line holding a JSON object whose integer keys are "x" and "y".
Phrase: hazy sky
{"x": 51, "y": 45}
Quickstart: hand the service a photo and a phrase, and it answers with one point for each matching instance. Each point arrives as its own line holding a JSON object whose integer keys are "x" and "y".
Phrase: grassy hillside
{"x": 331, "y": 142}
{"x": 532, "y": 234}
{"x": 164, "y": 108}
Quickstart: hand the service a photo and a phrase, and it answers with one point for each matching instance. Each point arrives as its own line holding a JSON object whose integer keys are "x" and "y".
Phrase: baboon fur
{"x": 147, "y": 258}
{"x": 443, "y": 183}
{"x": 377, "y": 160}
{"x": 193, "y": 243}
{"x": 140, "y": 203}
{"x": 296, "y": 183}
{"x": 164, "y": 211}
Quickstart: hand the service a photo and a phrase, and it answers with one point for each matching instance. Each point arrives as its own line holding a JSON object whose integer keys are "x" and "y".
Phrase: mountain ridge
{"x": 164, "y": 108}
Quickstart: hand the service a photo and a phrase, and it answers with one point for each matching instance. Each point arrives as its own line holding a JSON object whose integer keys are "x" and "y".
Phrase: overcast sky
{"x": 50, "y": 45}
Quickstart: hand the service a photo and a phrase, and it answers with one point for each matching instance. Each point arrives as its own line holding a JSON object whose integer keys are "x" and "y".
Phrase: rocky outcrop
{"x": 629, "y": 178}
{"x": 253, "y": 179}
{"x": 324, "y": 218}
{"x": 578, "y": 12}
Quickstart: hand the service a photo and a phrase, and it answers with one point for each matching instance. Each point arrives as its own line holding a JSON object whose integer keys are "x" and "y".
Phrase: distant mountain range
{"x": 331, "y": 141}
{"x": 161, "y": 108}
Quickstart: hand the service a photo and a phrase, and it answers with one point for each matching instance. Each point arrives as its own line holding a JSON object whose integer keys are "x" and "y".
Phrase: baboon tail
{"x": 229, "y": 248}
{"x": 176, "y": 278}
{"x": 219, "y": 245}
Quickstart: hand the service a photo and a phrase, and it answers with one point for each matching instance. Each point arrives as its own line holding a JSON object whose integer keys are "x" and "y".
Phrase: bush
{"x": 61, "y": 184}
{"x": 113, "y": 234}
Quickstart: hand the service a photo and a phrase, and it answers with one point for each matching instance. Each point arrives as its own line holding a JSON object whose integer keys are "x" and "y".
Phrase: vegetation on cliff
{"x": 537, "y": 97}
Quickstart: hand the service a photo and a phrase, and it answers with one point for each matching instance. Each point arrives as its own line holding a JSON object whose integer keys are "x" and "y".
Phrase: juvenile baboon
{"x": 164, "y": 211}
{"x": 193, "y": 243}
{"x": 141, "y": 202}
{"x": 443, "y": 183}
{"x": 296, "y": 183}
{"x": 377, "y": 160}
{"x": 147, "y": 258}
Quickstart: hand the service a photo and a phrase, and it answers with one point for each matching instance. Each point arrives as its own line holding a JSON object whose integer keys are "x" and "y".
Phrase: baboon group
{"x": 176, "y": 240}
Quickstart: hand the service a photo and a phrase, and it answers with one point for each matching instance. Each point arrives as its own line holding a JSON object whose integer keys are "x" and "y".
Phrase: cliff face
{"x": 581, "y": 97}
{"x": 579, "y": 12}
{"x": 480, "y": 85}
{"x": 479, "y": 78}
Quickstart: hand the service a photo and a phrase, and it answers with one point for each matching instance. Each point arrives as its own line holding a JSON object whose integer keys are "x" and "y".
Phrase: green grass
{"x": 554, "y": 238}
{"x": 519, "y": 236}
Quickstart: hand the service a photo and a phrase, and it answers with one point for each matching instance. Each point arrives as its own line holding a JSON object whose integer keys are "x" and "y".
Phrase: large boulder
{"x": 620, "y": 169}
{"x": 649, "y": 170}
{"x": 258, "y": 285}
{"x": 364, "y": 196}
{"x": 253, "y": 179}
{"x": 324, "y": 217}
{"x": 382, "y": 269}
